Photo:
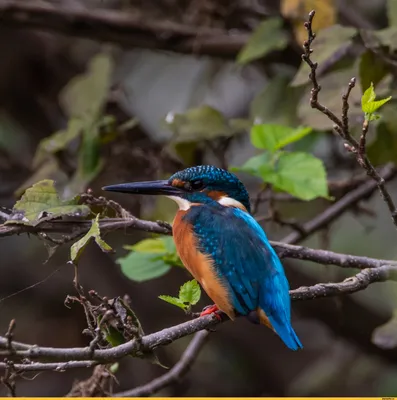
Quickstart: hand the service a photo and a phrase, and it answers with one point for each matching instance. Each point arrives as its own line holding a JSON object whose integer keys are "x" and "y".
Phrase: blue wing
{"x": 245, "y": 261}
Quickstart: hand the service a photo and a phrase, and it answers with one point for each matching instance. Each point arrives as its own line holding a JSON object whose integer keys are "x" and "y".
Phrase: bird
{"x": 224, "y": 248}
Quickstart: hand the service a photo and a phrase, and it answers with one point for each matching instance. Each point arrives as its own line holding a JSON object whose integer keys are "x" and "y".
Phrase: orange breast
{"x": 200, "y": 265}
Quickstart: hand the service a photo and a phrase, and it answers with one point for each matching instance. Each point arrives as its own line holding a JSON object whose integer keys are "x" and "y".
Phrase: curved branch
{"x": 350, "y": 285}
{"x": 166, "y": 336}
{"x": 181, "y": 368}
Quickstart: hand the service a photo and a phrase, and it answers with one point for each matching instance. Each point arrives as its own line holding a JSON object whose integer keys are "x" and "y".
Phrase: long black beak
{"x": 152, "y": 187}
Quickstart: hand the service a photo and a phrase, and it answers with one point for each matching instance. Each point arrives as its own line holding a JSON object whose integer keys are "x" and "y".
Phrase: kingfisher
{"x": 224, "y": 248}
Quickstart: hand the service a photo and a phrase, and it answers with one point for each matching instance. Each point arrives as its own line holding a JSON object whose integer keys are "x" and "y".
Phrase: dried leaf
{"x": 297, "y": 11}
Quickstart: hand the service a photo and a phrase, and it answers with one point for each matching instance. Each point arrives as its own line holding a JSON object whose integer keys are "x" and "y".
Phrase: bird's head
{"x": 200, "y": 184}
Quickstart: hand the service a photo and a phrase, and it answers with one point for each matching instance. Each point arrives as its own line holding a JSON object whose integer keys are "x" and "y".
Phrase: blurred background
{"x": 183, "y": 87}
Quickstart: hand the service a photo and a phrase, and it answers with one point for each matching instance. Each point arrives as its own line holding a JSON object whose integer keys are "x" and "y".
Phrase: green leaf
{"x": 329, "y": 42}
{"x": 368, "y": 96}
{"x": 94, "y": 233}
{"x": 190, "y": 292}
{"x": 252, "y": 165}
{"x": 84, "y": 98}
{"x": 392, "y": 12}
{"x": 41, "y": 202}
{"x": 169, "y": 244}
{"x": 300, "y": 174}
{"x": 371, "y": 69}
{"x": 174, "y": 301}
{"x": 385, "y": 336}
{"x": 85, "y": 95}
{"x": 368, "y": 103}
{"x": 372, "y": 106}
{"x": 164, "y": 248}
{"x": 114, "y": 368}
{"x": 156, "y": 246}
{"x": 267, "y": 36}
{"x": 273, "y": 137}
{"x": 142, "y": 267}
{"x": 58, "y": 141}
{"x": 201, "y": 123}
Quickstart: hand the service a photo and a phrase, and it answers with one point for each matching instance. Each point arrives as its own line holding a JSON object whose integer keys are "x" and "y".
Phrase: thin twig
{"x": 342, "y": 125}
{"x": 180, "y": 369}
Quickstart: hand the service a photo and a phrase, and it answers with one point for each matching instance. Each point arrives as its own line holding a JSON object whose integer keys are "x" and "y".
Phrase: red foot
{"x": 211, "y": 310}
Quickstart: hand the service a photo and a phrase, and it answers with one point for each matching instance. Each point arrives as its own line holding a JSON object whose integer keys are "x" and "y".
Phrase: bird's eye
{"x": 197, "y": 184}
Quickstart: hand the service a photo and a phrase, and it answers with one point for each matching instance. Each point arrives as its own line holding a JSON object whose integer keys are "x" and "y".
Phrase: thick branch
{"x": 122, "y": 28}
{"x": 104, "y": 356}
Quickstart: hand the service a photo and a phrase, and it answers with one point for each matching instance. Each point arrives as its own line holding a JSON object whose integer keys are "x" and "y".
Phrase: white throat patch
{"x": 229, "y": 202}
{"x": 183, "y": 204}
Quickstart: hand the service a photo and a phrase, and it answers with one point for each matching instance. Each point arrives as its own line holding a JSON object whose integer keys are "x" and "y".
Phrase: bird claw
{"x": 211, "y": 310}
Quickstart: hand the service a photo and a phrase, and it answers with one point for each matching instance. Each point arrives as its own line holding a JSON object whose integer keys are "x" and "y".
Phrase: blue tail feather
{"x": 286, "y": 333}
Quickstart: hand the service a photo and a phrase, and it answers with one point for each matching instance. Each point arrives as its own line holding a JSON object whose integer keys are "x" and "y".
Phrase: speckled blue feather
{"x": 246, "y": 263}
{"x": 214, "y": 179}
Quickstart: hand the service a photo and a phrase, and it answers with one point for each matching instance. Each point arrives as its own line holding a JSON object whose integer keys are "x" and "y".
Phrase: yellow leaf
{"x": 298, "y": 10}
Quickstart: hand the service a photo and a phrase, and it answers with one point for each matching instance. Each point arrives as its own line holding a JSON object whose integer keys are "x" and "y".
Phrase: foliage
{"x": 370, "y": 105}
{"x": 149, "y": 259}
{"x": 94, "y": 233}
{"x": 298, "y": 173}
{"x": 41, "y": 202}
{"x": 189, "y": 295}
{"x": 84, "y": 100}
{"x": 268, "y": 36}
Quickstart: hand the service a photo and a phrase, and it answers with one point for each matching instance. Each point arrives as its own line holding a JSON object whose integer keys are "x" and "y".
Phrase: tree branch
{"x": 121, "y": 28}
{"x": 342, "y": 124}
{"x": 327, "y": 257}
{"x": 78, "y": 227}
{"x": 180, "y": 369}
{"x": 83, "y": 357}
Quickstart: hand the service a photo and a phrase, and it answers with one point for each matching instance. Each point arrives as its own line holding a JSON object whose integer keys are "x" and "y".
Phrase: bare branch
{"x": 180, "y": 369}
{"x": 342, "y": 125}
{"x": 121, "y": 28}
{"x": 351, "y": 285}
{"x": 327, "y": 257}
{"x": 374, "y": 271}
{"x": 75, "y": 228}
